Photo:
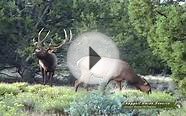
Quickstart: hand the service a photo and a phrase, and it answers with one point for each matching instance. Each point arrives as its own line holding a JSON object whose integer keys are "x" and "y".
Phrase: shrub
{"x": 30, "y": 101}
{"x": 8, "y": 89}
{"x": 182, "y": 86}
{"x": 96, "y": 104}
{"x": 36, "y": 88}
{"x": 40, "y": 99}
{"x": 55, "y": 105}
{"x": 174, "y": 112}
{"x": 9, "y": 106}
{"x": 161, "y": 96}
{"x": 135, "y": 95}
{"x": 57, "y": 99}
{"x": 22, "y": 86}
{"x": 13, "y": 110}
{"x": 9, "y": 99}
{"x": 49, "y": 92}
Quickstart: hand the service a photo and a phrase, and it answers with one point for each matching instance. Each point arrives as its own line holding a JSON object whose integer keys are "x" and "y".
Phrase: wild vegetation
{"x": 24, "y": 99}
{"x": 151, "y": 36}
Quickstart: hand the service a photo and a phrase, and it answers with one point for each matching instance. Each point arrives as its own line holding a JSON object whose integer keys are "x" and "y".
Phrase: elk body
{"x": 110, "y": 69}
{"x": 48, "y": 59}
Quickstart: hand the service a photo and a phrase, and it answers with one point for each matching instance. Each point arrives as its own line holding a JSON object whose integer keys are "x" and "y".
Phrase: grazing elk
{"x": 109, "y": 69}
{"x": 48, "y": 59}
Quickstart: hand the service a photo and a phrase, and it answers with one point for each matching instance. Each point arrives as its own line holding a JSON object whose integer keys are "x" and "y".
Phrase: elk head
{"x": 143, "y": 85}
{"x": 47, "y": 59}
{"x": 41, "y": 50}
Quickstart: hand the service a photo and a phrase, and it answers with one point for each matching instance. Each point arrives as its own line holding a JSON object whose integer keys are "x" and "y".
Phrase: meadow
{"x": 22, "y": 99}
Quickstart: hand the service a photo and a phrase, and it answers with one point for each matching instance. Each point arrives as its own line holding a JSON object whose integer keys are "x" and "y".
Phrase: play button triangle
{"x": 93, "y": 58}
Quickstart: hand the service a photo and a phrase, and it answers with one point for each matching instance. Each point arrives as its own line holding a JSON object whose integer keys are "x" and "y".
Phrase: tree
{"x": 164, "y": 27}
{"x": 112, "y": 18}
{"x": 21, "y": 21}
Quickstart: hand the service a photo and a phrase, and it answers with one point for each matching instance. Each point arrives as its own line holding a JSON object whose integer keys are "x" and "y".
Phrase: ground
{"x": 25, "y": 99}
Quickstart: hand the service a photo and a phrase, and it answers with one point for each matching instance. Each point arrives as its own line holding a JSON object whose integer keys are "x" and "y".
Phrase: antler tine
{"x": 70, "y": 35}
{"x": 39, "y": 35}
{"x": 46, "y": 36}
{"x": 64, "y": 41}
{"x": 50, "y": 44}
{"x": 66, "y": 37}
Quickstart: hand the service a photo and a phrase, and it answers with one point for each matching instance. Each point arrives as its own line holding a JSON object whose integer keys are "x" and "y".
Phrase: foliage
{"x": 182, "y": 86}
{"x": 22, "y": 86}
{"x": 140, "y": 13}
{"x": 35, "y": 88}
{"x": 64, "y": 100}
{"x": 21, "y": 21}
{"x": 136, "y": 51}
{"x": 113, "y": 20}
{"x": 164, "y": 28}
{"x": 175, "y": 112}
{"x": 96, "y": 104}
{"x": 40, "y": 98}
{"x": 168, "y": 40}
{"x": 9, "y": 107}
{"x": 134, "y": 95}
{"x": 10, "y": 110}
{"x": 8, "y": 89}
{"x": 30, "y": 101}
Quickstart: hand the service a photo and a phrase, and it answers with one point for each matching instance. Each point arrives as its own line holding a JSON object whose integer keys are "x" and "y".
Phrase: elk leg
{"x": 42, "y": 72}
{"x": 119, "y": 84}
{"x": 104, "y": 86}
{"x": 45, "y": 77}
{"x": 51, "y": 74}
{"x": 87, "y": 87}
{"x": 48, "y": 78}
{"x": 108, "y": 83}
{"x": 77, "y": 83}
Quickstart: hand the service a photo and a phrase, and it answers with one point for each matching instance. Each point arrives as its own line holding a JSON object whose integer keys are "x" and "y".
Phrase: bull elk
{"x": 47, "y": 57}
{"x": 110, "y": 69}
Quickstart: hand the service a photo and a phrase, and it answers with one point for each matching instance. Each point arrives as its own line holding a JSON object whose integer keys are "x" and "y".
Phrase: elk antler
{"x": 65, "y": 40}
{"x": 39, "y": 35}
{"x": 46, "y": 36}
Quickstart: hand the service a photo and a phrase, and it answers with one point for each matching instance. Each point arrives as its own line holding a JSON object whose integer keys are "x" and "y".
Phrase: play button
{"x": 85, "y": 54}
{"x": 93, "y": 58}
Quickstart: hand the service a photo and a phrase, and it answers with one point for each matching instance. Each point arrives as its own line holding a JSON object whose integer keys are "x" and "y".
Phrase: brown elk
{"x": 109, "y": 69}
{"x": 47, "y": 57}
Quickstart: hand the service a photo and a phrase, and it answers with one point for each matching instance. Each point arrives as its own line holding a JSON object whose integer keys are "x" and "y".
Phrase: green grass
{"x": 135, "y": 95}
{"x": 22, "y": 98}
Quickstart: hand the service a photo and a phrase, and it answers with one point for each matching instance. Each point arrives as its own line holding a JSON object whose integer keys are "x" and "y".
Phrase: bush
{"x": 135, "y": 95}
{"x": 182, "y": 86}
{"x": 22, "y": 86}
{"x": 30, "y": 101}
{"x": 8, "y": 89}
{"x": 40, "y": 99}
{"x": 96, "y": 104}
{"x": 9, "y": 106}
{"x": 36, "y": 88}
{"x": 14, "y": 110}
{"x": 57, "y": 99}
{"x": 49, "y": 92}
{"x": 56, "y": 105}
{"x": 174, "y": 112}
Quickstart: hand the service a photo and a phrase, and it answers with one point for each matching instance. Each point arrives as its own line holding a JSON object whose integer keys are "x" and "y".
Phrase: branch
{"x": 161, "y": 14}
{"x": 40, "y": 18}
{"x": 42, "y": 15}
